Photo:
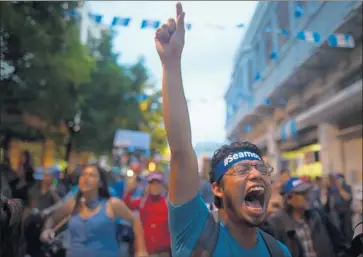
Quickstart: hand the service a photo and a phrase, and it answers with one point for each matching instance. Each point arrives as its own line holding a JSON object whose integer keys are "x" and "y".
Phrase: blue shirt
{"x": 187, "y": 222}
{"x": 74, "y": 191}
{"x": 94, "y": 236}
{"x": 119, "y": 187}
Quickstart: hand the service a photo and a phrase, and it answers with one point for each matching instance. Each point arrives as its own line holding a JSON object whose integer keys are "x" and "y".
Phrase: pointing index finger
{"x": 179, "y": 9}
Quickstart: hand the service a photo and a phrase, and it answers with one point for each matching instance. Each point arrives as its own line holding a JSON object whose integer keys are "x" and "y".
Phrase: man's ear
{"x": 217, "y": 189}
{"x": 289, "y": 198}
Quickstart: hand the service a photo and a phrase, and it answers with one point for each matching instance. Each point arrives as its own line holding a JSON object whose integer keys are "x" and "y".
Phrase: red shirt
{"x": 154, "y": 217}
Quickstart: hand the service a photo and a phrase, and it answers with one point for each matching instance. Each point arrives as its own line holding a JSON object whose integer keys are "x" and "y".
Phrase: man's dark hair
{"x": 103, "y": 191}
{"x": 11, "y": 227}
{"x": 221, "y": 154}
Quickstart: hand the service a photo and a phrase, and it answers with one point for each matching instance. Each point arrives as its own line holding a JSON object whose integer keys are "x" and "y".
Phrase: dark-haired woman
{"x": 92, "y": 213}
{"x": 11, "y": 227}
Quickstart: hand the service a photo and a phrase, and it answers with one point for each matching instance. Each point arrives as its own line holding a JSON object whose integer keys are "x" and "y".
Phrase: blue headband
{"x": 232, "y": 159}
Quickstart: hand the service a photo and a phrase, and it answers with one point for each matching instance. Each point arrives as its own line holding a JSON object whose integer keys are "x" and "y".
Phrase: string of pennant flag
{"x": 145, "y": 23}
{"x": 335, "y": 40}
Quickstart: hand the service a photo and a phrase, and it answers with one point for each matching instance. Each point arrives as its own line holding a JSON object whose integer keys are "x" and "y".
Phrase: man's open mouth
{"x": 255, "y": 198}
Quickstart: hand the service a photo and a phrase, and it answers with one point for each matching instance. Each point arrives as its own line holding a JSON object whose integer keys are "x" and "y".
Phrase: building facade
{"x": 300, "y": 102}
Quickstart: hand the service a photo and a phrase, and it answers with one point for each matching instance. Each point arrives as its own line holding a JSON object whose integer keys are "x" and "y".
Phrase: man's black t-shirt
{"x": 42, "y": 201}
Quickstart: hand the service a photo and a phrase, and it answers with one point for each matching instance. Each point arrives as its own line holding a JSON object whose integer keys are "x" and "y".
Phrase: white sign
{"x": 129, "y": 138}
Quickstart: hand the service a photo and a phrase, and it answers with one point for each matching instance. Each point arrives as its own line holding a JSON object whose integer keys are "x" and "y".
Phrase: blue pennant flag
{"x": 299, "y": 11}
{"x": 73, "y": 12}
{"x": 273, "y": 55}
{"x": 97, "y": 18}
{"x": 293, "y": 129}
{"x": 341, "y": 40}
{"x": 240, "y": 26}
{"x": 188, "y": 26}
{"x": 142, "y": 98}
{"x": 284, "y": 32}
{"x": 149, "y": 24}
{"x": 309, "y": 36}
{"x": 257, "y": 76}
{"x": 120, "y": 21}
{"x": 267, "y": 101}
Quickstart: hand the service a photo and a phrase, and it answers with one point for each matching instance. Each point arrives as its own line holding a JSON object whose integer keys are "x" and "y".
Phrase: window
{"x": 269, "y": 44}
{"x": 283, "y": 22}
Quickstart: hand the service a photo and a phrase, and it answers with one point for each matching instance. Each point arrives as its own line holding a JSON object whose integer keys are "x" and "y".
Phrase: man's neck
{"x": 90, "y": 196}
{"x": 298, "y": 215}
{"x": 245, "y": 235}
{"x": 44, "y": 187}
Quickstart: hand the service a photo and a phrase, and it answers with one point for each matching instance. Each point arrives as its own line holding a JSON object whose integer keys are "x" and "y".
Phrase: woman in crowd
{"x": 11, "y": 227}
{"x": 92, "y": 213}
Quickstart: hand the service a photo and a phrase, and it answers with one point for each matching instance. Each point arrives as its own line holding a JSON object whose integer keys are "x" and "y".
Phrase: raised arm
{"x": 184, "y": 179}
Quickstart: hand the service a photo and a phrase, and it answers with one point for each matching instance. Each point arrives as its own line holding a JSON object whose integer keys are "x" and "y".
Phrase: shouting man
{"x": 240, "y": 179}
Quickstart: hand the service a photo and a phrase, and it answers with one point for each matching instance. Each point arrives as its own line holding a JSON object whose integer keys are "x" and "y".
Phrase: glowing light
{"x": 129, "y": 173}
{"x": 152, "y": 166}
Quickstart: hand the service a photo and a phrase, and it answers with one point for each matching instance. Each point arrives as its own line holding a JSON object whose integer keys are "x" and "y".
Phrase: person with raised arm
{"x": 239, "y": 177}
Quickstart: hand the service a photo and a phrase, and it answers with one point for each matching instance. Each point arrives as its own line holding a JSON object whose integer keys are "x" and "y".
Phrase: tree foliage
{"x": 42, "y": 64}
{"x": 110, "y": 101}
{"x": 47, "y": 73}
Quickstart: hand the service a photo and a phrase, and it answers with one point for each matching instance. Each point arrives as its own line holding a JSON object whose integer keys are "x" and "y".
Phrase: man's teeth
{"x": 256, "y": 188}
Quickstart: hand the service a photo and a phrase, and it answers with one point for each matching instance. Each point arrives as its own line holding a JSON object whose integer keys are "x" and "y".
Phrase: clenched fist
{"x": 169, "y": 38}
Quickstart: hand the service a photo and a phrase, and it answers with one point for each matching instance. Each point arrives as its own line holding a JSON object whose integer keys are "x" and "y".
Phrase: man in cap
{"x": 339, "y": 202}
{"x": 153, "y": 210}
{"x": 307, "y": 232}
{"x": 42, "y": 196}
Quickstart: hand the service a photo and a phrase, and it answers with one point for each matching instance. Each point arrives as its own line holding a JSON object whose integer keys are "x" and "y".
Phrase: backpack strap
{"x": 272, "y": 244}
{"x": 208, "y": 239}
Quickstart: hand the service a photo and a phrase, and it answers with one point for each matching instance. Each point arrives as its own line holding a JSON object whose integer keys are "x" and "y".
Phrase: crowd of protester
{"x": 312, "y": 218}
